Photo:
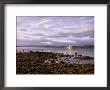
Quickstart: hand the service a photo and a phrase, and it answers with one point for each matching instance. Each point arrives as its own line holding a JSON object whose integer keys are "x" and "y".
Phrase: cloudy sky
{"x": 55, "y": 30}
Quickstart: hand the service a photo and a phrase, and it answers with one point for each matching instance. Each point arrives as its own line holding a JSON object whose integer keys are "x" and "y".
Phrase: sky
{"x": 55, "y": 30}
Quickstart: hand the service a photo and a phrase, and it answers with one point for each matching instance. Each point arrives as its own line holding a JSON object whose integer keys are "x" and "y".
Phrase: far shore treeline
{"x": 83, "y": 46}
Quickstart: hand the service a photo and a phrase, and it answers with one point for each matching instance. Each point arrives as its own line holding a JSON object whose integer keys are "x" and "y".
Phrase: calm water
{"x": 82, "y": 51}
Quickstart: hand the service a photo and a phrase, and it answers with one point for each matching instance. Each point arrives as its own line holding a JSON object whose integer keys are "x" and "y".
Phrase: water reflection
{"x": 70, "y": 50}
{"x": 81, "y": 51}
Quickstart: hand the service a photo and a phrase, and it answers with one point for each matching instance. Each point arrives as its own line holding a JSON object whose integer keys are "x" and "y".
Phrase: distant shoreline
{"x": 90, "y": 46}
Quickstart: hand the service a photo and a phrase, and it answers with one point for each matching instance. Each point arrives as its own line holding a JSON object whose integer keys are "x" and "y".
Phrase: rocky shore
{"x": 53, "y": 63}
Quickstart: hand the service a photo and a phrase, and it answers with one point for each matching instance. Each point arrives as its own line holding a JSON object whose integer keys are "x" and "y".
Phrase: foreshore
{"x": 53, "y": 63}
